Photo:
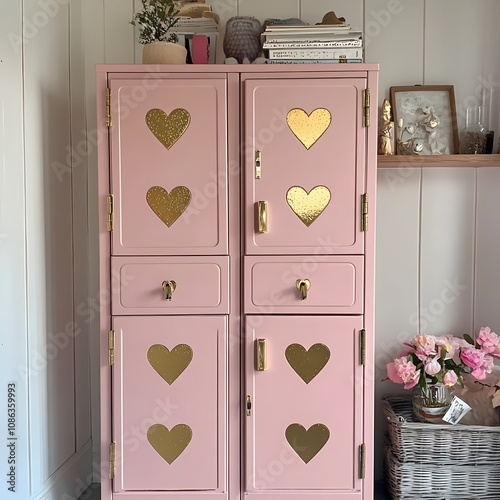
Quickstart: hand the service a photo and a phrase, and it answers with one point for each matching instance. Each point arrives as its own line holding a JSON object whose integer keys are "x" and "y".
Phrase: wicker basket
{"x": 422, "y": 443}
{"x": 409, "y": 480}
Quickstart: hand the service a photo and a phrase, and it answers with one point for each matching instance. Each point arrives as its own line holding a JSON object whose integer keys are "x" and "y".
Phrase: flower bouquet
{"x": 433, "y": 364}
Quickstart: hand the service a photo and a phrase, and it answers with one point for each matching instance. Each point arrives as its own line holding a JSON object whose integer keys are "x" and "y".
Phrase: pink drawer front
{"x": 201, "y": 285}
{"x": 336, "y": 285}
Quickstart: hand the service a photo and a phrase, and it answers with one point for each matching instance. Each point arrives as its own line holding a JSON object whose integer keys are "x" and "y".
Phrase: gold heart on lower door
{"x": 307, "y": 443}
{"x": 168, "y": 206}
{"x": 307, "y": 364}
{"x": 170, "y": 364}
{"x": 308, "y": 206}
{"x": 169, "y": 444}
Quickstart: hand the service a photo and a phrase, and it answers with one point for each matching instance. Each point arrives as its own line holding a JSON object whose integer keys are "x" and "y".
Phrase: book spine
{"x": 313, "y": 61}
{"x": 313, "y": 44}
{"x": 315, "y": 54}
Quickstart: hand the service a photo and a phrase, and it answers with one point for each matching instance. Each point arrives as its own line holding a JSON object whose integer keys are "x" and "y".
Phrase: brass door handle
{"x": 261, "y": 355}
{"x": 169, "y": 288}
{"x": 262, "y": 209}
{"x": 303, "y": 287}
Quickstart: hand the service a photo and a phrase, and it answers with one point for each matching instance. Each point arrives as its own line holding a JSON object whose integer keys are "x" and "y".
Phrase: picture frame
{"x": 428, "y": 117}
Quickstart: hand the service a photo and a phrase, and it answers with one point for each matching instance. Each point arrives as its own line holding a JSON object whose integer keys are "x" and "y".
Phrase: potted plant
{"x": 432, "y": 365}
{"x": 155, "y": 22}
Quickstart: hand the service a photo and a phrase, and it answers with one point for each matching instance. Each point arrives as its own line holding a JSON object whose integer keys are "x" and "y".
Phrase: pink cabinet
{"x": 236, "y": 299}
{"x": 304, "y": 430}
{"x": 169, "y": 402}
{"x": 305, "y": 157}
{"x": 168, "y": 155}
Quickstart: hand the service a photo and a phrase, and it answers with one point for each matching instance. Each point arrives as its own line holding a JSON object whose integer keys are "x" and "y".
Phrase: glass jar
{"x": 474, "y": 137}
{"x": 431, "y": 406}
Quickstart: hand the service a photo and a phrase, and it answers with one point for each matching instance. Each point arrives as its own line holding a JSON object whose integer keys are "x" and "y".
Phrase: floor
{"x": 94, "y": 493}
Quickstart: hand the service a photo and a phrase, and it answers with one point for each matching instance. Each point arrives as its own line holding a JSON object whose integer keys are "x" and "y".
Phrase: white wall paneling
{"x": 397, "y": 275}
{"x": 263, "y": 9}
{"x": 312, "y": 11}
{"x": 394, "y": 37}
{"x": 447, "y": 50}
{"x": 447, "y": 251}
{"x": 119, "y": 33}
{"x": 487, "y": 312}
{"x": 13, "y": 336}
{"x": 79, "y": 178}
{"x": 94, "y": 52}
{"x": 50, "y": 255}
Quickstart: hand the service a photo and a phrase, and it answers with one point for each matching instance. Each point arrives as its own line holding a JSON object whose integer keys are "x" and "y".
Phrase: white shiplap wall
{"x": 43, "y": 247}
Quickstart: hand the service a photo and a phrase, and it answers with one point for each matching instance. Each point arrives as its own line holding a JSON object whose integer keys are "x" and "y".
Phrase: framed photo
{"x": 425, "y": 119}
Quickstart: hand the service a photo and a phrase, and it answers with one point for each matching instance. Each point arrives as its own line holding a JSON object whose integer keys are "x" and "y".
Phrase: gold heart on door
{"x": 170, "y": 364}
{"x": 307, "y": 443}
{"x": 168, "y": 206}
{"x": 168, "y": 129}
{"x": 308, "y": 128}
{"x": 308, "y": 206}
{"x": 307, "y": 363}
{"x": 169, "y": 444}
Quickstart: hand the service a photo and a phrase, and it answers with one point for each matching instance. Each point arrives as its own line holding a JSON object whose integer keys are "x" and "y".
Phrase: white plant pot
{"x": 164, "y": 53}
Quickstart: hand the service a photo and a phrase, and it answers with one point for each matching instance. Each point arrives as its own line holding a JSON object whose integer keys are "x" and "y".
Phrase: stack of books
{"x": 320, "y": 43}
{"x": 199, "y": 36}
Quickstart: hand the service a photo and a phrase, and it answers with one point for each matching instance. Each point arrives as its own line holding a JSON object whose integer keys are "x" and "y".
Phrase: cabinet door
{"x": 168, "y": 166}
{"x": 305, "y": 426}
{"x": 305, "y": 157}
{"x": 169, "y": 403}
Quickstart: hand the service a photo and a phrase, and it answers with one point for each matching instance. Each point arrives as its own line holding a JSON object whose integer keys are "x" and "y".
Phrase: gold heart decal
{"x": 308, "y": 206}
{"x": 307, "y": 364}
{"x": 308, "y": 128}
{"x": 170, "y": 364}
{"x": 307, "y": 444}
{"x": 168, "y": 129}
{"x": 168, "y": 206}
{"x": 169, "y": 444}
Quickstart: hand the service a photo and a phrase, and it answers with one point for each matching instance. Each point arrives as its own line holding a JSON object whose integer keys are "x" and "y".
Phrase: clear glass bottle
{"x": 473, "y": 137}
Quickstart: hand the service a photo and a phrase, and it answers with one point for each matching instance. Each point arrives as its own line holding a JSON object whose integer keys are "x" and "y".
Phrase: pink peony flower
{"x": 432, "y": 366}
{"x": 450, "y": 378}
{"x": 488, "y": 340}
{"x": 472, "y": 357}
{"x": 479, "y": 361}
{"x": 425, "y": 345}
{"x": 403, "y": 371}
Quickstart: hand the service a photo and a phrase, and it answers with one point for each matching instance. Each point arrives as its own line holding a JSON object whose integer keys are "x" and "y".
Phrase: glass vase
{"x": 431, "y": 406}
{"x": 474, "y": 137}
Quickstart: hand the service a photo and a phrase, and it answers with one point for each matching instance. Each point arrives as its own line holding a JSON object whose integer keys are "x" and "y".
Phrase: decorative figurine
{"x": 409, "y": 146}
{"x": 386, "y": 130}
{"x": 242, "y": 39}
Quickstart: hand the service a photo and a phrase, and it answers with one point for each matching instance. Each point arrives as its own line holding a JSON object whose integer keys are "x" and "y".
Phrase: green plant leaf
{"x": 469, "y": 339}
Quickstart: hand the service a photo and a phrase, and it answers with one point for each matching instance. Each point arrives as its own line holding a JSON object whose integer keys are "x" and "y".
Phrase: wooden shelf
{"x": 439, "y": 161}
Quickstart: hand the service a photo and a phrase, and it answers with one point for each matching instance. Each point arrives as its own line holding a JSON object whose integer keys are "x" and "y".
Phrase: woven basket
{"x": 408, "y": 480}
{"x": 422, "y": 443}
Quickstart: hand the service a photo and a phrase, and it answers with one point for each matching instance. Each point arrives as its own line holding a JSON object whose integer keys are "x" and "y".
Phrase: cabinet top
{"x": 237, "y": 68}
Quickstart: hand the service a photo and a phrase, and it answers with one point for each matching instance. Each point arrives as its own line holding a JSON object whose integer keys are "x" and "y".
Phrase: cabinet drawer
{"x": 335, "y": 285}
{"x": 201, "y": 285}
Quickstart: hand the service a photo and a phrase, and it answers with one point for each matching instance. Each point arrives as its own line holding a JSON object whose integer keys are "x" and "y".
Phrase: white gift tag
{"x": 458, "y": 409}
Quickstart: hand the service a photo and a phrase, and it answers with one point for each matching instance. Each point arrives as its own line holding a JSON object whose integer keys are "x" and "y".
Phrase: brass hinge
{"x": 364, "y": 212}
{"x": 249, "y": 406}
{"x": 108, "y": 107}
{"x": 366, "y": 108}
{"x": 111, "y": 348}
{"x": 362, "y": 347}
{"x": 110, "y": 221}
{"x": 362, "y": 461}
{"x": 112, "y": 460}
